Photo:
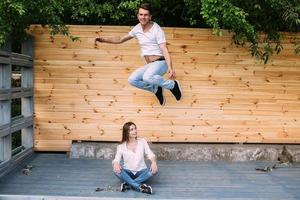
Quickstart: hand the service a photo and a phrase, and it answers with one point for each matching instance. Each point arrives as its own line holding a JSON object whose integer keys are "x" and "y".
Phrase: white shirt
{"x": 134, "y": 161}
{"x": 149, "y": 41}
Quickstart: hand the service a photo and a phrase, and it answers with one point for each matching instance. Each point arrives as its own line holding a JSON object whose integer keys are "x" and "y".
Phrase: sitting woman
{"x": 134, "y": 171}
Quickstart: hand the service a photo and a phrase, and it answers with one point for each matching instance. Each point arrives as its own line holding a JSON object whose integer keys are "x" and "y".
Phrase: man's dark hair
{"x": 146, "y": 6}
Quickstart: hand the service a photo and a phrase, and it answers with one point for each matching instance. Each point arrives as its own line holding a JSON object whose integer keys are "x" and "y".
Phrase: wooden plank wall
{"x": 82, "y": 93}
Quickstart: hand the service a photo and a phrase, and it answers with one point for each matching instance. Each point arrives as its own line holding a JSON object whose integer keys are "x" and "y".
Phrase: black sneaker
{"x": 146, "y": 189}
{"x": 160, "y": 96}
{"x": 124, "y": 187}
{"x": 176, "y": 91}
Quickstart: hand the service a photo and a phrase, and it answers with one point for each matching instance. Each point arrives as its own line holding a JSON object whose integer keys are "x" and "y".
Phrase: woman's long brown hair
{"x": 126, "y": 127}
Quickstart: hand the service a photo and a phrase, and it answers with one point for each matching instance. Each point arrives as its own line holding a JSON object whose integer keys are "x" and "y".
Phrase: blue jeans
{"x": 134, "y": 180}
{"x": 150, "y": 76}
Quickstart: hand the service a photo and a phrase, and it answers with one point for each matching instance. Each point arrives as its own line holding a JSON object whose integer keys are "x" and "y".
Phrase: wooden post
{"x": 27, "y": 102}
{"x": 5, "y": 106}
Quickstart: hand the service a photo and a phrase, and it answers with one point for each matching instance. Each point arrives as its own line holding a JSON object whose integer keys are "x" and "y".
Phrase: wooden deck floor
{"x": 55, "y": 176}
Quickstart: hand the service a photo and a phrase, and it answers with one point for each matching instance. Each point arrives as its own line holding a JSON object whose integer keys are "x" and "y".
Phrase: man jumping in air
{"x": 154, "y": 49}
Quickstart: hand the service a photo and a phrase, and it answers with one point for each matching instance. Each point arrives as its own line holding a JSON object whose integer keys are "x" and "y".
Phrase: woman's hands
{"x": 153, "y": 167}
{"x": 117, "y": 167}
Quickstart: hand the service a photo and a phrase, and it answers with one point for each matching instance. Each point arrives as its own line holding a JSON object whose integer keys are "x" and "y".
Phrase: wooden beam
{"x": 21, "y": 56}
{"x": 27, "y": 137}
{"x": 5, "y": 71}
{"x": 5, "y": 107}
{"x": 4, "y": 53}
{"x": 15, "y": 125}
{"x": 21, "y": 123}
{"x": 5, "y": 148}
{"x": 4, "y": 60}
{"x": 4, "y": 130}
{"x": 14, "y": 93}
{"x": 21, "y": 62}
{"x": 9, "y": 165}
{"x": 27, "y": 101}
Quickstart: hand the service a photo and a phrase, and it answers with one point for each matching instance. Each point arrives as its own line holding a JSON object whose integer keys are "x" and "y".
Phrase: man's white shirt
{"x": 149, "y": 41}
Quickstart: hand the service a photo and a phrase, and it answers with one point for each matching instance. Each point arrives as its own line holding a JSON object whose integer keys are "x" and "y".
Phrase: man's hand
{"x": 153, "y": 168}
{"x": 99, "y": 39}
{"x": 172, "y": 74}
{"x": 117, "y": 167}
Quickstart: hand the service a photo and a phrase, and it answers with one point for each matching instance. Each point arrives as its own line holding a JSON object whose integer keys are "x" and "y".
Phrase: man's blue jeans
{"x": 150, "y": 76}
{"x": 134, "y": 180}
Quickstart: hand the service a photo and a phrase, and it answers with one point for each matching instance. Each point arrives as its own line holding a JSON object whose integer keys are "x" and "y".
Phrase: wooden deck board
{"x": 56, "y": 176}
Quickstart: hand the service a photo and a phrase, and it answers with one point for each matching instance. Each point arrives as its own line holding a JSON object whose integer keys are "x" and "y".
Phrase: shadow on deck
{"x": 55, "y": 176}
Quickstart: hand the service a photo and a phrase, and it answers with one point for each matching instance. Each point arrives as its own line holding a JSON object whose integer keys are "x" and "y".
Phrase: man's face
{"x": 144, "y": 16}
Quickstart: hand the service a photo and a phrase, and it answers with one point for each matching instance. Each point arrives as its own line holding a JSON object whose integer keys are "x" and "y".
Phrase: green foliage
{"x": 245, "y": 19}
{"x": 17, "y": 15}
{"x": 248, "y": 19}
{"x": 11, "y": 13}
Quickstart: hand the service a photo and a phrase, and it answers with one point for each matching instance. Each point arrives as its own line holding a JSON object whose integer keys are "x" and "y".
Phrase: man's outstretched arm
{"x": 113, "y": 40}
